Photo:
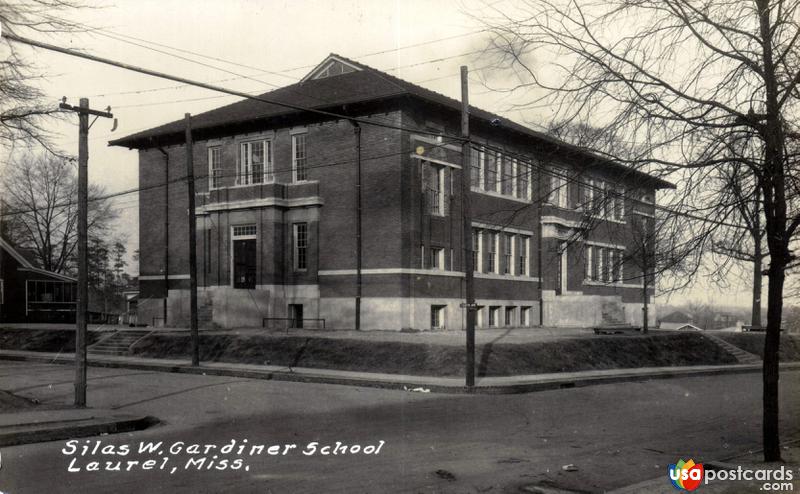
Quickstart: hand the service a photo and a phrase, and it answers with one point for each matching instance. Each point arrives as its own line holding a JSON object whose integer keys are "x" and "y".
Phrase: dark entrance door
{"x": 296, "y": 313}
{"x": 244, "y": 263}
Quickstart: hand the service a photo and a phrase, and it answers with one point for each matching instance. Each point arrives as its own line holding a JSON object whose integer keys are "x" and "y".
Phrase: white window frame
{"x": 437, "y": 255}
{"x": 495, "y": 156}
{"x": 440, "y": 190}
{"x": 214, "y": 180}
{"x": 524, "y": 256}
{"x": 514, "y": 168}
{"x": 494, "y": 252}
{"x": 481, "y": 159}
{"x": 619, "y": 204}
{"x": 589, "y": 261}
{"x": 508, "y": 254}
{"x": 558, "y": 194}
{"x": 295, "y": 168}
{"x": 523, "y": 170}
{"x": 507, "y": 182}
{"x": 296, "y": 246}
{"x": 478, "y": 257}
{"x": 564, "y": 271}
{"x": 599, "y": 264}
{"x": 244, "y": 163}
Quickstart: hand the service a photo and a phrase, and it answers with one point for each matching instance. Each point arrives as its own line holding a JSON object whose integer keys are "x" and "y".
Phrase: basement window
{"x": 525, "y": 316}
{"x": 510, "y": 315}
{"x": 494, "y": 316}
{"x": 437, "y": 316}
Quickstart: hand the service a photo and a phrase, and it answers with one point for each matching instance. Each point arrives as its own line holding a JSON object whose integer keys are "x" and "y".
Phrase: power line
{"x": 125, "y": 66}
{"x": 573, "y": 179}
{"x": 206, "y": 175}
{"x": 108, "y": 33}
{"x": 211, "y": 87}
{"x": 263, "y": 71}
{"x": 477, "y": 146}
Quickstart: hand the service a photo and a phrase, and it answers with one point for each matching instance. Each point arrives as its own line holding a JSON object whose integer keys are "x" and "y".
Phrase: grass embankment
{"x": 594, "y": 352}
{"x": 754, "y": 343}
{"x": 498, "y": 359}
{"x": 13, "y": 403}
{"x": 42, "y": 340}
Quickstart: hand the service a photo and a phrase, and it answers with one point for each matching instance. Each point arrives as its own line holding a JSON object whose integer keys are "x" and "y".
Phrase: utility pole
{"x": 467, "y": 217}
{"x": 195, "y": 336}
{"x": 357, "y": 130}
{"x": 83, "y": 112}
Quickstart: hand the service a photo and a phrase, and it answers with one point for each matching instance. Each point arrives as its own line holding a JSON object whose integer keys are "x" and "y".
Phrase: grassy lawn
{"x": 595, "y": 352}
{"x": 754, "y": 343}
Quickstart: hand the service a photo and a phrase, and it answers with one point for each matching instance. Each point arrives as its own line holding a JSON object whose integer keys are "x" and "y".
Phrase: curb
{"x": 413, "y": 383}
{"x": 33, "y": 433}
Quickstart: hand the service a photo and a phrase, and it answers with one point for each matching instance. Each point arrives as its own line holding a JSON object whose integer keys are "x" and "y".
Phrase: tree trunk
{"x": 755, "y": 315}
{"x": 772, "y": 450}
{"x": 644, "y": 295}
{"x": 773, "y": 188}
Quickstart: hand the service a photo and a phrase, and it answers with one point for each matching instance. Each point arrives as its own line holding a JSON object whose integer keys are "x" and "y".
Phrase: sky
{"x": 255, "y": 46}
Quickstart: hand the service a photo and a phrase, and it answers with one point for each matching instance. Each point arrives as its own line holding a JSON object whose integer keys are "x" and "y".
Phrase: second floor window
{"x": 490, "y": 172}
{"x": 523, "y": 180}
{"x": 215, "y": 167}
{"x": 558, "y": 188}
{"x": 619, "y": 204}
{"x": 477, "y": 254}
{"x": 255, "y": 163}
{"x": 434, "y": 183}
{"x": 299, "y": 157}
{"x": 508, "y": 257}
{"x": 508, "y": 176}
{"x": 524, "y": 245}
{"x": 492, "y": 260}
{"x": 476, "y": 168}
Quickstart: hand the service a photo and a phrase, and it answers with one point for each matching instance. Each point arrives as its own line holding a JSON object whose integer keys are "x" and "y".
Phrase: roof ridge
{"x": 366, "y": 90}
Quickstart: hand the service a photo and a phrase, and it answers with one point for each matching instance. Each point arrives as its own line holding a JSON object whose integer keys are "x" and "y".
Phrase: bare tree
{"x": 40, "y": 211}
{"x": 680, "y": 80}
{"x": 23, "y": 111}
{"x": 743, "y": 244}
